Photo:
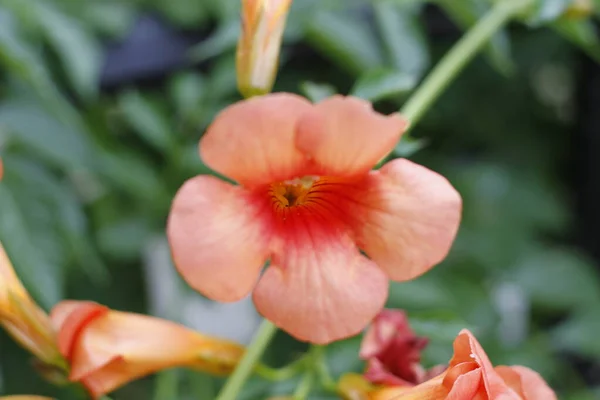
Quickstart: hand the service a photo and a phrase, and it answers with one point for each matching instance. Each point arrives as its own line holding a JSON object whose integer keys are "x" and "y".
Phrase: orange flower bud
{"x": 1, "y": 169}
{"x": 23, "y": 319}
{"x": 263, "y": 22}
{"x": 107, "y": 349}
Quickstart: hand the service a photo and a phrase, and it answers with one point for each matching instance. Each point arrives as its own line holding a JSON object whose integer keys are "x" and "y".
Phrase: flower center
{"x": 292, "y": 192}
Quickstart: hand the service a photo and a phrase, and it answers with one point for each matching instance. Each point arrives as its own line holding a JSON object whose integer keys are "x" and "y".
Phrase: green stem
{"x": 303, "y": 389}
{"x": 283, "y": 373}
{"x": 463, "y": 52}
{"x": 321, "y": 369}
{"x": 240, "y": 375}
{"x": 166, "y": 386}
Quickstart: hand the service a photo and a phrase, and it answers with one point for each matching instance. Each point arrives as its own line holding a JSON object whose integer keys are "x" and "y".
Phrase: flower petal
{"x": 319, "y": 288}
{"x": 407, "y": 218}
{"x": 219, "y": 237}
{"x": 467, "y": 386}
{"x": 468, "y": 350}
{"x": 527, "y": 383}
{"x": 345, "y": 137}
{"x": 252, "y": 141}
{"x": 109, "y": 348}
{"x": 430, "y": 390}
{"x": 69, "y": 318}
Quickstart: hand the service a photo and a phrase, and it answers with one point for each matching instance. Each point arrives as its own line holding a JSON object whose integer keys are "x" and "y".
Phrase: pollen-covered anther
{"x": 293, "y": 192}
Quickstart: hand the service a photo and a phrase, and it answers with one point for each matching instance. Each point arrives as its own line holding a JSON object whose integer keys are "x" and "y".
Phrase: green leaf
{"x": 545, "y": 11}
{"x": 346, "y": 40}
{"x": 79, "y": 51}
{"x": 41, "y": 276}
{"x": 409, "y": 145}
{"x": 316, "y": 92}
{"x": 579, "y": 333}
{"x": 184, "y": 13}
{"x": 57, "y": 143}
{"x": 187, "y": 91}
{"x": 147, "y": 120}
{"x": 383, "y": 84}
{"x": 465, "y": 14}
{"x": 66, "y": 210}
{"x": 134, "y": 175}
{"x": 111, "y": 18}
{"x": 224, "y": 39}
{"x": 425, "y": 293}
{"x": 582, "y": 33}
{"x": 125, "y": 238}
{"x": 403, "y": 36}
{"x": 558, "y": 279}
{"x": 20, "y": 59}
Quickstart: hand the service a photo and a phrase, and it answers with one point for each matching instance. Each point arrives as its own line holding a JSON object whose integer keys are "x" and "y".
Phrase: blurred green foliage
{"x": 90, "y": 173}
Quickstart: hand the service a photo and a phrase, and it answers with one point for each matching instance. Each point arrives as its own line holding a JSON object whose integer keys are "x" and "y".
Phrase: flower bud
{"x": 23, "y": 319}
{"x": 107, "y": 349}
{"x": 263, "y": 22}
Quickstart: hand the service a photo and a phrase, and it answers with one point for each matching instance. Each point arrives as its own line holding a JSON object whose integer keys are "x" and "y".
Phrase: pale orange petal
{"x": 345, "y": 137}
{"x": 69, "y": 317}
{"x": 430, "y": 390}
{"x": 107, "y": 348}
{"x": 467, "y": 350}
{"x": 252, "y": 142}
{"x": 219, "y": 237}
{"x": 407, "y": 218}
{"x": 526, "y": 382}
{"x": 467, "y": 386}
{"x": 319, "y": 288}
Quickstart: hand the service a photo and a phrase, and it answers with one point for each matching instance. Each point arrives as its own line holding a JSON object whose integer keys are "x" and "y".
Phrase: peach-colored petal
{"x": 527, "y": 383}
{"x": 252, "y": 141}
{"x": 346, "y": 137}
{"x": 319, "y": 288}
{"x": 69, "y": 318}
{"x": 466, "y": 386}
{"x": 219, "y": 237}
{"x": 407, "y": 218}
{"x": 430, "y": 390}
{"x": 107, "y": 349}
{"x": 467, "y": 350}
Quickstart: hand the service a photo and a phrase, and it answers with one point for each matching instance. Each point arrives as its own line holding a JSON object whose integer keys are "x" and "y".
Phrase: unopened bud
{"x": 263, "y": 22}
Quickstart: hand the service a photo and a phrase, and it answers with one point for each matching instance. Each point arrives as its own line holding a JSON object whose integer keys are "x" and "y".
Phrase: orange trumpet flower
{"x": 263, "y": 22}
{"x": 23, "y": 319}
{"x": 107, "y": 349}
{"x": 471, "y": 376}
{"x": 308, "y": 201}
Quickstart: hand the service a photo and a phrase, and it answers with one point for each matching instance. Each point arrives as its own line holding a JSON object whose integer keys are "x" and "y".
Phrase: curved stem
{"x": 455, "y": 60}
{"x": 321, "y": 368}
{"x": 283, "y": 373}
{"x": 242, "y": 372}
{"x": 303, "y": 389}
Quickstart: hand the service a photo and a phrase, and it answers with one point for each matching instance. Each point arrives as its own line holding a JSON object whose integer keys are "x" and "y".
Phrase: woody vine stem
{"x": 417, "y": 105}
